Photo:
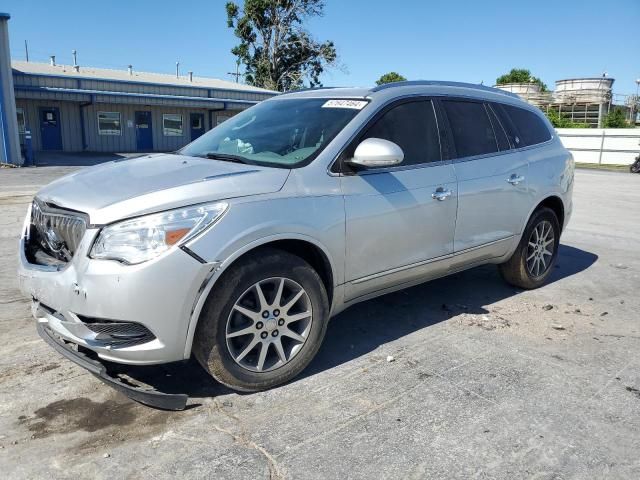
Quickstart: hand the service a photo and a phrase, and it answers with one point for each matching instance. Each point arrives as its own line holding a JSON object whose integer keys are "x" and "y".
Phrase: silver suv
{"x": 238, "y": 248}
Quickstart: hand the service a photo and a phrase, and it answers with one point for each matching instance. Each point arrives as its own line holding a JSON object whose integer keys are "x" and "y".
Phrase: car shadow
{"x": 367, "y": 325}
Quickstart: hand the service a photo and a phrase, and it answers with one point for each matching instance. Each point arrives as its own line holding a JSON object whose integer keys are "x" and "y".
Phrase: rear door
{"x": 492, "y": 181}
{"x": 396, "y": 231}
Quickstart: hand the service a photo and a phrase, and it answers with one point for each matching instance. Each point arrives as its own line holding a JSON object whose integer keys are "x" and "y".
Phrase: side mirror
{"x": 376, "y": 152}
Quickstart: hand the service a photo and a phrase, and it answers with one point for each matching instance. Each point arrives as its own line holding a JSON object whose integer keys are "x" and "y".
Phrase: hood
{"x": 125, "y": 188}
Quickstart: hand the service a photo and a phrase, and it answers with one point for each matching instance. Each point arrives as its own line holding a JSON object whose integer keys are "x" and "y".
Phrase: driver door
{"x": 400, "y": 221}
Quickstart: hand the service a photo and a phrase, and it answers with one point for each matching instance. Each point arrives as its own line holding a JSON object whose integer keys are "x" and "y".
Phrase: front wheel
{"x": 263, "y": 322}
{"x": 534, "y": 258}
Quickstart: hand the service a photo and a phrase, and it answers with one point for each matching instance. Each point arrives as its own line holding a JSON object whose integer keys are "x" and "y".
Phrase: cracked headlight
{"x": 143, "y": 238}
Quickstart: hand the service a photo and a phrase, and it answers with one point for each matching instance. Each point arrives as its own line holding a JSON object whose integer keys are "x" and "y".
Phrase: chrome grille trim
{"x": 60, "y": 231}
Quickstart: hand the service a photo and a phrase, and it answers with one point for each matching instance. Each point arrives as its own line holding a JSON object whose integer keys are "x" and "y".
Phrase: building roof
{"x": 35, "y": 68}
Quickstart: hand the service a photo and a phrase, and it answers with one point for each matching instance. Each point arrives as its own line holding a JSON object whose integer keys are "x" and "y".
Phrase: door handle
{"x": 441, "y": 194}
{"x": 515, "y": 179}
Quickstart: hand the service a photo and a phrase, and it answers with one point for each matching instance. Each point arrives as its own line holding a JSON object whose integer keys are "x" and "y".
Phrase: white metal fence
{"x": 608, "y": 146}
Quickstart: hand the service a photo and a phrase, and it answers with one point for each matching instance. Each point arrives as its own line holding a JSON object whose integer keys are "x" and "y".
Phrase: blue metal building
{"x": 77, "y": 108}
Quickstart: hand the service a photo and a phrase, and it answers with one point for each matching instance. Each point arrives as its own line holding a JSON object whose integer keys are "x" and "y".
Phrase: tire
{"x": 524, "y": 271}
{"x": 233, "y": 308}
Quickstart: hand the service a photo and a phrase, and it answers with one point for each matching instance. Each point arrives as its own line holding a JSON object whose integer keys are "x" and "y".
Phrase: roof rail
{"x": 443, "y": 83}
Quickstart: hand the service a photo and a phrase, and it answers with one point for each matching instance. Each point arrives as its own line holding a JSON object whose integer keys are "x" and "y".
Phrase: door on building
{"x": 50, "y": 132}
{"x": 144, "y": 131}
{"x": 197, "y": 125}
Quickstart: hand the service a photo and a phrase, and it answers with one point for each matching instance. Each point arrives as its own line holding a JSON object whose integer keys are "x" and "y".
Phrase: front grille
{"x": 116, "y": 333}
{"x": 55, "y": 232}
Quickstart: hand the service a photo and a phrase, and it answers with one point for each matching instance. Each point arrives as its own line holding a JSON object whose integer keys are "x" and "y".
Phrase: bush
{"x": 616, "y": 119}
{"x": 562, "y": 121}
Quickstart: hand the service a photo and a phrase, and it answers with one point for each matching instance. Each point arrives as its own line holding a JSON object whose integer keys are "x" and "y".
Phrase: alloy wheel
{"x": 268, "y": 324}
{"x": 540, "y": 249}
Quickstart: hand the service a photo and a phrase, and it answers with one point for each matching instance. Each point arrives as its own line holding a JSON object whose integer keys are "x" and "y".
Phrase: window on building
{"x": 471, "y": 128}
{"x": 196, "y": 122}
{"x": 413, "y": 127}
{"x": 172, "y": 125}
{"x": 21, "y": 120}
{"x": 109, "y": 123}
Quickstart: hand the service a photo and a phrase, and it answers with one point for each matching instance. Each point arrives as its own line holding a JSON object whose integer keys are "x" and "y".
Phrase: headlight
{"x": 141, "y": 239}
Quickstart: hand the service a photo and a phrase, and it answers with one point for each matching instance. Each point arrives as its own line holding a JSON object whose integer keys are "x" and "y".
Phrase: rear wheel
{"x": 263, "y": 322}
{"x": 533, "y": 261}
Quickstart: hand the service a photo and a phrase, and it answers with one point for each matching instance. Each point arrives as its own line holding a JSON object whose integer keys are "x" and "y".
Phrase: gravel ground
{"x": 463, "y": 377}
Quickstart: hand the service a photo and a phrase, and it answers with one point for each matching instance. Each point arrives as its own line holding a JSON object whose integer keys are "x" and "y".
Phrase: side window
{"x": 530, "y": 126}
{"x": 413, "y": 127}
{"x": 471, "y": 128}
{"x": 501, "y": 136}
{"x": 507, "y": 124}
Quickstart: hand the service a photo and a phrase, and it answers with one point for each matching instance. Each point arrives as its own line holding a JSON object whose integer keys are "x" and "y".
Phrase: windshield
{"x": 279, "y": 133}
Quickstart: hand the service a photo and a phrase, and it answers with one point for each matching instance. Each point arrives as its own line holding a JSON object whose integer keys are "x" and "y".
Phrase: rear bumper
{"x": 152, "y": 398}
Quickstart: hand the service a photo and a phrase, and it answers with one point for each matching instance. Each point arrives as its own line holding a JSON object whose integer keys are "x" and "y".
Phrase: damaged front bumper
{"x": 140, "y": 394}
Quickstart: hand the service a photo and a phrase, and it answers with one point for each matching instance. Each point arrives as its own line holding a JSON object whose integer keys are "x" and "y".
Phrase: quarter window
{"x": 172, "y": 125}
{"x": 109, "y": 123}
{"x": 21, "y": 120}
{"x": 471, "y": 128}
{"x": 413, "y": 127}
{"x": 531, "y": 128}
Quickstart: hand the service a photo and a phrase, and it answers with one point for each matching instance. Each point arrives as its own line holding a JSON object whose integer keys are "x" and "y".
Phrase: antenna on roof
{"x": 26, "y": 50}
{"x": 177, "y": 69}
{"x": 76, "y": 67}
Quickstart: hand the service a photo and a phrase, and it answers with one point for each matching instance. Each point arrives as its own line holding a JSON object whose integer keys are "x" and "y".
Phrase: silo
{"x": 584, "y": 100}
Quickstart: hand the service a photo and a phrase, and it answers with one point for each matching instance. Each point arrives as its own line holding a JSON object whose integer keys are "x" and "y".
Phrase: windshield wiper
{"x": 226, "y": 157}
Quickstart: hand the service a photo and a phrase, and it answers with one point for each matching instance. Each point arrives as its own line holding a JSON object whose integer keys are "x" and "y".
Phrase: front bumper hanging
{"x": 152, "y": 398}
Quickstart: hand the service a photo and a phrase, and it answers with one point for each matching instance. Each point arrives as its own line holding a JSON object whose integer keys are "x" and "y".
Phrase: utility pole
{"x": 237, "y": 73}
{"x": 26, "y": 50}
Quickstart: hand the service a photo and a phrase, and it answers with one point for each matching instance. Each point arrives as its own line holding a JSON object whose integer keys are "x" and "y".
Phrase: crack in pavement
{"x": 276, "y": 471}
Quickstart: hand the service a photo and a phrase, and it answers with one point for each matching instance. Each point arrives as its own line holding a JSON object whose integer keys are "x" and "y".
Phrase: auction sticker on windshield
{"x": 355, "y": 104}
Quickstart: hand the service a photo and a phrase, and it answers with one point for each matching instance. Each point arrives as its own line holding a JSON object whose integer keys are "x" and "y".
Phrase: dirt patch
{"x": 110, "y": 418}
{"x": 51, "y": 366}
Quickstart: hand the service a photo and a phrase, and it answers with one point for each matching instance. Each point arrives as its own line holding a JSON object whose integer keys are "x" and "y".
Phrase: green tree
{"x": 520, "y": 75}
{"x": 616, "y": 119}
{"x": 562, "y": 121}
{"x": 390, "y": 78}
{"x": 277, "y": 51}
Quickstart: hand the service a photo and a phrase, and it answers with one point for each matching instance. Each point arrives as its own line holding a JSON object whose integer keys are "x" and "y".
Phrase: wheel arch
{"x": 554, "y": 203}
{"x": 302, "y": 246}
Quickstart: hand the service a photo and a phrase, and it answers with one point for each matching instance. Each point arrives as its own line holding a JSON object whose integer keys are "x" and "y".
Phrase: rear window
{"x": 471, "y": 128}
{"x": 530, "y": 128}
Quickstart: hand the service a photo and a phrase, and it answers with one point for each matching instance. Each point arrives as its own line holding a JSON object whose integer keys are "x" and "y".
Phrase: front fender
{"x": 246, "y": 226}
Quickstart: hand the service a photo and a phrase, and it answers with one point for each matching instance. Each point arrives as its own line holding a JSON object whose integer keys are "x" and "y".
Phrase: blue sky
{"x": 469, "y": 41}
